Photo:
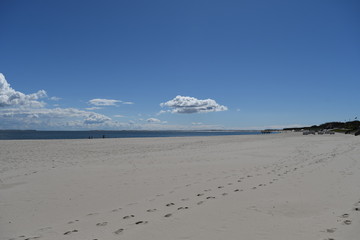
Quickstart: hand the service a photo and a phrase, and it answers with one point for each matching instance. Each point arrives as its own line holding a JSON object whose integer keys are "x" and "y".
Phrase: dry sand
{"x": 284, "y": 186}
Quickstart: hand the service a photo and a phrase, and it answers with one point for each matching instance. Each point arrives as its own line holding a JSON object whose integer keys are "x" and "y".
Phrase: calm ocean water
{"x": 12, "y": 135}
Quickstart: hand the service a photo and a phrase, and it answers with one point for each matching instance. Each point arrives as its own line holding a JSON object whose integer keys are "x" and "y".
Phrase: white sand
{"x": 284, "y": 186}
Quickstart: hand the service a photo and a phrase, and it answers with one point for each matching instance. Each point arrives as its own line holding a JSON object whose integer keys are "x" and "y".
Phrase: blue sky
{"x": 178, "y": 64}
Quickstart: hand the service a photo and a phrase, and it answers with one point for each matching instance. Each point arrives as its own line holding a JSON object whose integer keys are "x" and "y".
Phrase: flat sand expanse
{"x": 284, "y": 186}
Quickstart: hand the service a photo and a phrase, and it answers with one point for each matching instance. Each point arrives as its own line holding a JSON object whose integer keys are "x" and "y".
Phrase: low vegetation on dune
{"x": 351, "y": 127}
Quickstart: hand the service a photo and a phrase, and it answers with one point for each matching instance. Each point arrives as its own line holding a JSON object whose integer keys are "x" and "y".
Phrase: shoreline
{"x": 277, "y": 186}
{"x": 95, "y": 134}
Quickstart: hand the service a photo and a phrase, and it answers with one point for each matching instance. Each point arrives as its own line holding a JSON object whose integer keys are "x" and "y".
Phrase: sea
{"x": 33, "y": 134}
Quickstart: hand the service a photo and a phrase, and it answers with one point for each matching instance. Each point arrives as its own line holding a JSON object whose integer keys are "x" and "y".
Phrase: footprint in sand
{"x": 151, "y": 210}
{"x": 200, "y": 194}
{"x": 132, "y": 204}
{"x": 102, "y": 224}
{"x": 330, "y": 230}
{"x": 224, "y": 194}
{"x": 119, "y": 231}
{"x": 116, "y": 210}
{"x": 182, "y": 208}
{"x": 185, "y": 199}
{"x": 211, "y": 197}
{"x": 71, "y": 222}
{"x": 45, "y": 229}
{"x": 220, "y": 186}
{"x": 70, "y": 232}
{"x": 238, "y": 190}
{"x": 357, "y": 209}
{"x": 170, "y": 204}
{"x": 254, "y": 188}
{"x": 345, "y": 215}
{"x": 129, "y": 216}
{"x": 201, "y": 202}
{"x": 347, "y": 222}
{"x": 168, "y": 215}
{"x": 230, "y": 184}
{"x": 141, "y": 222}
{"x": 92, "y": 214}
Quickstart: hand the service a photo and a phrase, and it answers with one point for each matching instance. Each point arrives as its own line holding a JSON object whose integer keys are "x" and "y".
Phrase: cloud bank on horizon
{"x": 25, "y": 111}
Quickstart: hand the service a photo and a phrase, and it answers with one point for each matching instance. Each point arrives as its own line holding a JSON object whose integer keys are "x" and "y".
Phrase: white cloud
{"x": 43, "y": 118}
{"x": 153, "y": 120}
{"x": 103, "y": 102}
{"x": 95, "y": 118}
{"x": 107, "y": 102}
{"x": 93, "y": 108}
{"x": 55, "y": 98}
{"x": 11, "y": 98}
{"x": 26, "y": 111}
{"x": 75, "y": 119}
{"x": 44, "y": 112}
{"x": 183, "y": 104}
{"x": 196, "y": 123}
{"x": 161, "y": 112}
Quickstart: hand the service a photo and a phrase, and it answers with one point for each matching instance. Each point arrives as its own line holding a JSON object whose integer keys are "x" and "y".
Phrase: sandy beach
{"x": 278, "y": 186}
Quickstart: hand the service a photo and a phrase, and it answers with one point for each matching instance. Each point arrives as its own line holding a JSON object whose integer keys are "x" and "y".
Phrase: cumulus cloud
{"x": 183, "y": 104}
{"x": 26, "y": 111}
{"x": 153, "y": 120}
{"x": 103, "y": 102}
{"x": 95, "y": 118}
{"x": 40, "y": 118}
{"x": 11, "y": 98}
{"x": 45, "y": 112}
